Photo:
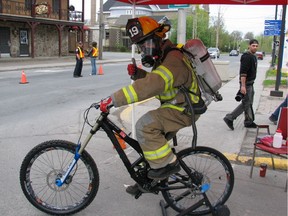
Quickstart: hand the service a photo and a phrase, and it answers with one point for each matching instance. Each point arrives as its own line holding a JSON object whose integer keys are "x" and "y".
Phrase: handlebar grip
{"x": 136, "y": 68}
{"x": 96, "y": 105}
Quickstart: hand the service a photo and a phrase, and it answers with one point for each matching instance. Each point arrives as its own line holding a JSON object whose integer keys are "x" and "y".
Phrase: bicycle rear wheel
{"x": 48, "y": 161}
{"x": 213, "y": 173}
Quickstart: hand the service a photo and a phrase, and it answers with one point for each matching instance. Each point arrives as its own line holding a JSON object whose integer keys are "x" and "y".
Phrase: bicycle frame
{"x": 110, "y": 128}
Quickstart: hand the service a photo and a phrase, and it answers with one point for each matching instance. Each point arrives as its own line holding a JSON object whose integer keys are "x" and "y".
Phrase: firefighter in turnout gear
{"x": 170, "y": 70}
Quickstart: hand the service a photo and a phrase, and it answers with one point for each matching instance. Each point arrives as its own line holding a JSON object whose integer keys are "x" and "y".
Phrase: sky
{"x": 246, "y": 18}
{"x": 243, "y": 18}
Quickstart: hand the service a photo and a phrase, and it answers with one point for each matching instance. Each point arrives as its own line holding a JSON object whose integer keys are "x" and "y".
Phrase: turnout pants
{"x": 152, "y": 127}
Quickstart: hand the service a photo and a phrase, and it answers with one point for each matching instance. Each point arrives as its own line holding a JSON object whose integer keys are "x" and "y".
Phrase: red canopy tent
{"x": 165, "y": 2}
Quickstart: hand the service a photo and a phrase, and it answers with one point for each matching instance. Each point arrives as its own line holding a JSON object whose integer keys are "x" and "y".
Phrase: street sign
{"x": 178, "y": 5}
{"x": 273, "y": 22}
{"x": 272, "y": 27}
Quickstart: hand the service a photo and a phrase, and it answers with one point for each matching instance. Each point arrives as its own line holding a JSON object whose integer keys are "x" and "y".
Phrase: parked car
{"x": 213, "y": 52}
{"x": 233, "y": 53}
{"x": 259, "y": 55}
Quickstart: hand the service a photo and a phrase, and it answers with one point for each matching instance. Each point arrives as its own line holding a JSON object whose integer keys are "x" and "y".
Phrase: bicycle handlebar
{"x": 97, "y": 105}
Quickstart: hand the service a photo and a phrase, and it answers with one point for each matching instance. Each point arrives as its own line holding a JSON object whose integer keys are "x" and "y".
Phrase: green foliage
{"x": 273, "y": 82}
{"x": 123, "y": 49}
{"x": 273, "y": 73}
{"x": 271, "y": 78}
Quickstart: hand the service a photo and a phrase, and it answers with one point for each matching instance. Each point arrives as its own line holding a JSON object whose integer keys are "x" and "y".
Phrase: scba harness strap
{"x": 200, "y": 107}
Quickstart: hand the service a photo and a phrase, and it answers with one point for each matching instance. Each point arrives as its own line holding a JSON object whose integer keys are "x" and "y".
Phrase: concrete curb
{"x": 280, "y": 164}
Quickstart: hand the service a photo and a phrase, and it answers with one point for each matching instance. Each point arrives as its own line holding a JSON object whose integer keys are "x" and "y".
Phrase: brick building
{"x": 36, "y": 28}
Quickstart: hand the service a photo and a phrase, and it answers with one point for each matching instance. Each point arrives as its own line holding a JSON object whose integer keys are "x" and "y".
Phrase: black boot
{"x": 165, "y": 172}
{"x": 135, "y": 189}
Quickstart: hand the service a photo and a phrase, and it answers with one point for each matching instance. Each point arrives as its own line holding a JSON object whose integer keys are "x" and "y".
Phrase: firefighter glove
{"x": 132, "y": 69}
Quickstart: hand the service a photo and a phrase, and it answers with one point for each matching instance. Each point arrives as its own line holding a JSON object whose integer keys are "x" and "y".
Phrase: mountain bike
{"x": 61, "y": 178}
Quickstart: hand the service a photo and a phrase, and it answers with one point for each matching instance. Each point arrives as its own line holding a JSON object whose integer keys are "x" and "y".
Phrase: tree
{"x": 237, "y": 38}
{"x": 249, "y": 35}
{"x": 197, "y": 25}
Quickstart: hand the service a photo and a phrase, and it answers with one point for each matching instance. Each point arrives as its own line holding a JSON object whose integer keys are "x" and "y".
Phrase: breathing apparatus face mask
{"x": 150, "y": 51}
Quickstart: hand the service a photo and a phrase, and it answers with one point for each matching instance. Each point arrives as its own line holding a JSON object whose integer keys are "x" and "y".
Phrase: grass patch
{"x": 271, "y": 78}
{"x": 269, "y": 82}
{"x": 273, "y": 73}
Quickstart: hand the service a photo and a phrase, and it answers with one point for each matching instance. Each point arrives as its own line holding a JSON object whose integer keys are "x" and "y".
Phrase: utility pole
{"x": 194, "y": 28}
{"x": 93, "y": 13}
{"x": 181, "y": 28}
{"x": 92, "y": 20}
{"x": 276, "y": 92}
{"x": 218, "y": 27}
{"x": 101, "y": 31}
{"x": 274, "y": 42}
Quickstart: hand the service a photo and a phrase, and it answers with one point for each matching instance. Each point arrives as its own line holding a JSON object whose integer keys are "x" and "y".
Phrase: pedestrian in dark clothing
{"x": 79, "y": 60}
{"x": 274, "y": 116}
{"x": 247, "y": 75}
{"x": 93, "y": 54}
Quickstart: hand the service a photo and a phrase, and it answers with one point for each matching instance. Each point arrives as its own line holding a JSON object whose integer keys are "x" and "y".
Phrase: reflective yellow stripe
{"x": 181, "y": 109}
{"x": 130, "y": 94}
{"x": 159, "y": 153}
{"x": 169, "y": 92}
{"x": 194, "y": 84}
{"x": 168, "y": 95}
{"x": 194, "y": 88}
{"x": 166, "y": 75}
{"x": 187, "y": 63}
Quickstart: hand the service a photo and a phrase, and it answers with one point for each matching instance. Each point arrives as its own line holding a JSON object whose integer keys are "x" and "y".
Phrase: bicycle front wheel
{"x": 49, "y": 161}
{"x": 211, "y": 173}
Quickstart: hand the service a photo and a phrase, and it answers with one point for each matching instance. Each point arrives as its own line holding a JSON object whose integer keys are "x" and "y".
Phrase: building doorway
{"x": 5, "y": 41}
{"x": 24, "y": 42}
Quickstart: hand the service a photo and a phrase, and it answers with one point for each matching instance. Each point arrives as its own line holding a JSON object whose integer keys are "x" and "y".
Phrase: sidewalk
{"x": 24, "y": 63}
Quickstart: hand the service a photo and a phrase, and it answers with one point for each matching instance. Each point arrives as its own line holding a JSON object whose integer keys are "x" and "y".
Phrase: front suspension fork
{"x": 61, "y": 180}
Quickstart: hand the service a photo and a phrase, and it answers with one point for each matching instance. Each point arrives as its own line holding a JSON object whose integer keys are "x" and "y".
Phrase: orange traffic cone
{"x": 121, "y": 141}
{"x": 23, "y": 78}
{"x": 100, "y": 71}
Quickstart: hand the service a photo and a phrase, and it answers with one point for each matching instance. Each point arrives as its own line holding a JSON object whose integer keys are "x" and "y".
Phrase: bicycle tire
{"x": 215, "y": 170}
{"x": 44, "y": 163}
